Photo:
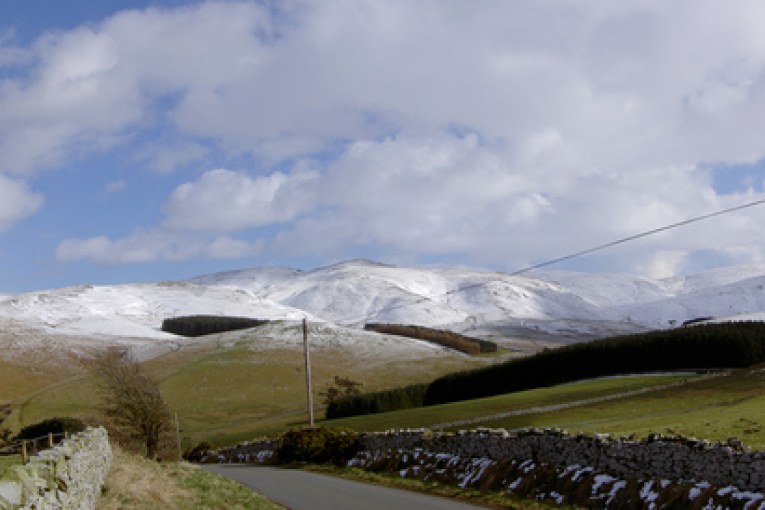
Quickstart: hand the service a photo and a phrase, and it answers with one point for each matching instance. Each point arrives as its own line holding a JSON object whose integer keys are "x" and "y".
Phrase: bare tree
{"x": 132, "y": 399}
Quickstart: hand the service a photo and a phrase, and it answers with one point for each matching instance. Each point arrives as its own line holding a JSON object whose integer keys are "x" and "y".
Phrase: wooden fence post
{"x": 24, "y": 453}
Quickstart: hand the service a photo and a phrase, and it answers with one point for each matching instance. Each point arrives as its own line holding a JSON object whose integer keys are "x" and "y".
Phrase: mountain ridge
{"x": 565, "y": 305}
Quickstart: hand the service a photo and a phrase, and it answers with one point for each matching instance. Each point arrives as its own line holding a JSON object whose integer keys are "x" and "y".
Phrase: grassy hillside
{"x": 227, "y": 393}
{"x": 725, "y": 345}
{"x": 221, "y": 393}
{"x": 712, "y": 408}
{"x": 433, "y": 416}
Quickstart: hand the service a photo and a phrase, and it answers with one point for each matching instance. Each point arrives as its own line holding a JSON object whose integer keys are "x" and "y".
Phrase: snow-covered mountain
{"x": 564, "y": 305}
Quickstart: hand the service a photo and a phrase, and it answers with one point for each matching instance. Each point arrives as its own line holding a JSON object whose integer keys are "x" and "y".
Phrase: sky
{"x": 143, "y": 141}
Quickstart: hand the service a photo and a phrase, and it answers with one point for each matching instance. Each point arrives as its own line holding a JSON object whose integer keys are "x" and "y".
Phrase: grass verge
{"x": 136, "y": 483}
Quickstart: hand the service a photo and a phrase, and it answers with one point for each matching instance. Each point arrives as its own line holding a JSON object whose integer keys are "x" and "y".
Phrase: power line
{"x": 638, "y": 236}
{"x": 571, "y": 256}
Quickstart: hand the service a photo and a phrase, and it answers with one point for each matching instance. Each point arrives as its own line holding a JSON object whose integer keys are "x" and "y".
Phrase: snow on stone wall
{"x": 592, "y": 471}
{"x": 68, "y": 476}
{"x": 595, "y": 471}
{"x": 673, "y": 458}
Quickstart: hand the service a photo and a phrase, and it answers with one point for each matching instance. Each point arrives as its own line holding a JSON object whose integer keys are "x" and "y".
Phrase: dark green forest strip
{"x": 377, "y": 402}
{"x": 707, "y": 346}
{"x": 199, "y": 325}
{"x": 462, "y": 343}
{"x": 704, "y": 346}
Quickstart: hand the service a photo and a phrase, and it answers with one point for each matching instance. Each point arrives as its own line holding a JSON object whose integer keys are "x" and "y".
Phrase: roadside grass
{"x": 529, "y": 399}
{"x": 490, "y": 499}
{"x": 137, "y": 483}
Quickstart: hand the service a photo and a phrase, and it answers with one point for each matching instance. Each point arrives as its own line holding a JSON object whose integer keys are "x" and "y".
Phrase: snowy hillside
{"x": 563, "y": 305}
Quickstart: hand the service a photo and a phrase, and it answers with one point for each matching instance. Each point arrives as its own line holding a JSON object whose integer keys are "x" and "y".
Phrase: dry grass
{"x": 138, "y": 483}
{"x": 135, "y": 483}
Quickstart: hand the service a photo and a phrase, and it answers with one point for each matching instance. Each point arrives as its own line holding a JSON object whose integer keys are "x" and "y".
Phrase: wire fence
{"x": 28, "y": 447}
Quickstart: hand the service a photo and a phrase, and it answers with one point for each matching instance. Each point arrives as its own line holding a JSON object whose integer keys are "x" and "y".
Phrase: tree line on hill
{"x": 450, "y": 339}
{"x": 198, "y": 325}
{"x": 727, "y": 345}
{"x": 377, "y": 402}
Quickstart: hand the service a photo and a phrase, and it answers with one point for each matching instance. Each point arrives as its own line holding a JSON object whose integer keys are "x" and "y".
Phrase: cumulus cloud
{"x": 17, "y": 201}
{"x": 504, "y": 133}
{"x": 222, "y": 200}
{"x": 617, "y": 79}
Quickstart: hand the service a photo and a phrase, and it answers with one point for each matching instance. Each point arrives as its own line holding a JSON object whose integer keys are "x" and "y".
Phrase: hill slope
{"x": 563, "y": 305}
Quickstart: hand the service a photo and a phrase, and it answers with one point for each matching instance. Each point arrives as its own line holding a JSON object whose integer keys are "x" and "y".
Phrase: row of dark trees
{"x": 697, "y": 347}
{"x": 728, "y": 345}
{"x": 377, "y": 402}
{"x": 198, "y": 325}
{"x": 449, "y": 339}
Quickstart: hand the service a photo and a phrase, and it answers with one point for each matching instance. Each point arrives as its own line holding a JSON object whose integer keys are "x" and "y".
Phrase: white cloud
{"x": 591, "y": 121}
{"x": 16, "y": 201}
{"x": 618, "y": 80}
{"x": 146, "y": 246}
{"x": 223, "y": 201}
{"x": 167, "y": 156}
{"x": 663, "y": 264}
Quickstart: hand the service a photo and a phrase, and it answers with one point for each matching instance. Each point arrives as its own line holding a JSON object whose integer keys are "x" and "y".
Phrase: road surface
{"x": 302, "y": 490}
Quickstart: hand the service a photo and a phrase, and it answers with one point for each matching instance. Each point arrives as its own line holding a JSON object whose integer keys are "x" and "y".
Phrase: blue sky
{"x": 146, "y": 141}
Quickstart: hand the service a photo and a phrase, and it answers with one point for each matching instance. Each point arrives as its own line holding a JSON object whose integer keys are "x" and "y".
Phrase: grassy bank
{"x": 135, "y": 483}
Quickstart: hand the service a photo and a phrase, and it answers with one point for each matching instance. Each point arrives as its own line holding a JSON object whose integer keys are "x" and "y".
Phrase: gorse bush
{"x": 199, "y": 325}
{"x": 317, "y": 445}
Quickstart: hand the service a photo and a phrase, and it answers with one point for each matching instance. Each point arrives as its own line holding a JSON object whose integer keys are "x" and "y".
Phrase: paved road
{"x": 302, "y": 490}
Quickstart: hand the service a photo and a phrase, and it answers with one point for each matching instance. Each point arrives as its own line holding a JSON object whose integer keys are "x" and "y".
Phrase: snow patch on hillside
{"x": 549, "y": 307}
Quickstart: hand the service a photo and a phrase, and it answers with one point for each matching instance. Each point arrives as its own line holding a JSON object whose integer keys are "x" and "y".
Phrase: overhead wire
{"x": 557, "y": 260}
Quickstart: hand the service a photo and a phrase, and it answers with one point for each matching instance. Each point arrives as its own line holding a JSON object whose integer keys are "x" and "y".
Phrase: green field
{"x": 713, "y": 408}
{"x": 222, "y": 395}
{"x": 225, "y": 395}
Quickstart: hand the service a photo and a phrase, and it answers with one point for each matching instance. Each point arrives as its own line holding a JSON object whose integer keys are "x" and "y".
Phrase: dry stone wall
{"x": 68, "y": 476}
{"x": 671, "y": 458}
{"x": 593, "y": 471}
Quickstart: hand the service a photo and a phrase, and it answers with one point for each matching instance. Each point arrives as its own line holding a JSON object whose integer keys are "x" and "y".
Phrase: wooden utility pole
{"x": 309, "y": 389}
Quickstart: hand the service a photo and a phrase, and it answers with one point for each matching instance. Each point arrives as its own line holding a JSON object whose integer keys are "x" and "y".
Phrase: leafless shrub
{"x": 132, "y": 400}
